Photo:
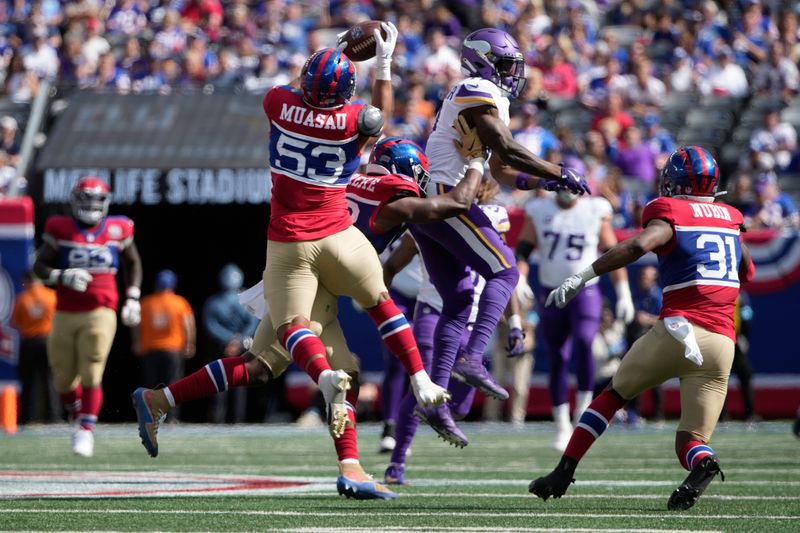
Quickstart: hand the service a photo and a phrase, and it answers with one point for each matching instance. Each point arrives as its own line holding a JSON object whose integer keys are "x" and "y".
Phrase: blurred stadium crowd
{"x": 612, "y": 85}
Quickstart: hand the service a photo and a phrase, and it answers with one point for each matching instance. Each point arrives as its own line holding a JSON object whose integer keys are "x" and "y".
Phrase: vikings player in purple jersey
{"x": 495, "y": 68}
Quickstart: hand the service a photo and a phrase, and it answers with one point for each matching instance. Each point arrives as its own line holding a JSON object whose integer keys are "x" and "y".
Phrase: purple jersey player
{"x": 451, "y": 248}
{"x": 426, "y": 316}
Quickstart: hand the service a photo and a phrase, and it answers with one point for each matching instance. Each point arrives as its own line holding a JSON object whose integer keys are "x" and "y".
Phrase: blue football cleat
{"x": 364, "y": 490}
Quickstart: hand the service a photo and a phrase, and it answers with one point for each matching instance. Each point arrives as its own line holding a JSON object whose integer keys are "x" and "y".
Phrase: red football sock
{"x": 72, "y": 402}
{"x": 396, "y": 334}
{"x": 347, "y": 444}
{"x": 593, "y": 422}
{"x": 216, "y": 376}
{"x": 91, "y": 403}
{"x": 306, "y": 350}
{"x": 692, "y": 452}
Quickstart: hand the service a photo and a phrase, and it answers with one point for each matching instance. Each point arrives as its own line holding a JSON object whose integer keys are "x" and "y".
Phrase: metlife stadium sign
{"x": 159, "y": 149}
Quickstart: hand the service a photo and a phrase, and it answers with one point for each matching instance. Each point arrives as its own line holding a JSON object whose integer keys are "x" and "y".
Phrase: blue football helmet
{"x": 401, "y": 156}
{"x": 691, "y": 171}
{"x": 328, "y": 79}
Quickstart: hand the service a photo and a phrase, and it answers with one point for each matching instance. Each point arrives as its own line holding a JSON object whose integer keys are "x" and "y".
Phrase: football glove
{"x": 624, "y": 310}
{"x": 573, "y": 181}
{"x": 131, "y": 313}
{"x": 516, "y": 342}
{"x": 565, "y": 292}
{"x": 385, "y": 48}
{"x": 77, "y": 279}
{"x": 470, "y": 145}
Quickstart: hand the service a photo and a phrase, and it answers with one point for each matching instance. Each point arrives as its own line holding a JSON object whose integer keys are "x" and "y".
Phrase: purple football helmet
{"x": 494, "y": 55}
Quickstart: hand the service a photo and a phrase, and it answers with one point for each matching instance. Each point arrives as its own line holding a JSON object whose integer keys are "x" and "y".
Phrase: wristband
{"x": 133, "y": 292}
{"x": 587, "y": 274}
{"x": 477, "y": 163}
{"x": 383, "y": 69}
{"x": 522, "y": 182}
{"x": 514, "y": 322}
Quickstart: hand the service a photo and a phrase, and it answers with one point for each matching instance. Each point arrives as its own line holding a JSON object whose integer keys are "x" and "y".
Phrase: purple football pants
{"x": 569, "y": 331}
{"x": 451, "y": 248}
{"x": 395, "y": 378}
{"x": 425, "y": 319}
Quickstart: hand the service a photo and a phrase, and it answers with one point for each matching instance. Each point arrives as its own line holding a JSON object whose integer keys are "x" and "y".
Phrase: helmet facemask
{"x": 90, "y": 206}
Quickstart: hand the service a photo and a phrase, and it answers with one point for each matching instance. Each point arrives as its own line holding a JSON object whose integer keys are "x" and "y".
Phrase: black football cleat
{"x": 555, "y": 483}
{"x": 796, "y": 426}
{"x": 695, "y": 484}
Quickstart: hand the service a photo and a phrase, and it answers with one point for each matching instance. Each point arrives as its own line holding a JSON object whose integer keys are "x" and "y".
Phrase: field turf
{"x": 257, "y": 478}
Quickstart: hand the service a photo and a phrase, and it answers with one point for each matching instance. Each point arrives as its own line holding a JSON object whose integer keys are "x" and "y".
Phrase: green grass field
{"x": 256, "y": 478}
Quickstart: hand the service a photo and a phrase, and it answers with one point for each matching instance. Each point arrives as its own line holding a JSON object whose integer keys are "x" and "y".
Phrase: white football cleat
{"x": 428, "y": 393}
{"x": 333, "y": 385}
{"x": 83, "y": 443}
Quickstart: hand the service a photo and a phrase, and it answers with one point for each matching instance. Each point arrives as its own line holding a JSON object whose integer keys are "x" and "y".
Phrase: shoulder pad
{"x": 370, "y": 121}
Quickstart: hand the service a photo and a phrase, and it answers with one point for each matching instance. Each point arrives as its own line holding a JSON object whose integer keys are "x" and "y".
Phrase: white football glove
{"x": 340, "y": 43}
{"x": 565, "y": 292}
{"x": 131, "y": 313}
{"x": 384, "y": 50}
{"x": 625, "y": 310}
{"x": 77, "y": 279}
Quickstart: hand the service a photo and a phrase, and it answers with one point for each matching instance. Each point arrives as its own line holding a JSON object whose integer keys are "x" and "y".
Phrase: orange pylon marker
{"x": 8, "y": 409}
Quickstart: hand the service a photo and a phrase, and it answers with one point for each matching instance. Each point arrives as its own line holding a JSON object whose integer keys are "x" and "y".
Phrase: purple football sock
{"x": 493, "y": 302}
{"x": 394, "y": 388}
{"x": 463, "y": 395}
{"x": 425, "y": 319}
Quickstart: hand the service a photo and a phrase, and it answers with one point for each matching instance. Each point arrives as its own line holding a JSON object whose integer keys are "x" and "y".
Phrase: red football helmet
{"x": 89, "y": 200}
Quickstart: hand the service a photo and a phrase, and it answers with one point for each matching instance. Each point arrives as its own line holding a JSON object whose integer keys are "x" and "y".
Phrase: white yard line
{"x": 401, "y": 529}
{"x": 402, "y": 514}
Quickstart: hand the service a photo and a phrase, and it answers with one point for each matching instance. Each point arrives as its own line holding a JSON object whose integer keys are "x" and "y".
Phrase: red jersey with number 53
{"x": 94, "y": 249}
{"x": 313, "y": 152}
{"x": 699, "y": 267}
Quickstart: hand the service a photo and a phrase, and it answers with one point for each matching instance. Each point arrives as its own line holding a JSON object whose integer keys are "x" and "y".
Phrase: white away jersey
{"x": 567, "y": 239}
{"x": 446, "y": 165}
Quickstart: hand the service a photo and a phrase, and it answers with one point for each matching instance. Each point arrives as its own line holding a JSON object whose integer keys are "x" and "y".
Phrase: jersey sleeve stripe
{"x": 727, "y": 231}
{"x": 695, "y": 282}
{"x": 474, "y": 100}
{"x": 464, "y": 91}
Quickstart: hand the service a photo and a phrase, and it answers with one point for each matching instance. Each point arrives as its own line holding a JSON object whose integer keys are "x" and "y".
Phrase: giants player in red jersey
{"x": 381, "y": 202}
{"x": 80, "y": 256}
{"x": 701, "y": 259}
{"x": 316, "y": 137}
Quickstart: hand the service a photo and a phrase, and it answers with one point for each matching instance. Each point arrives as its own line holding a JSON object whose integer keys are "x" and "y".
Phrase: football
{"x": 360, "y": 40}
